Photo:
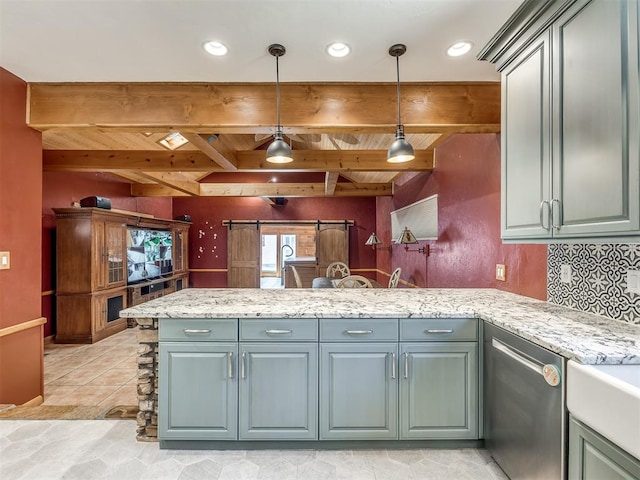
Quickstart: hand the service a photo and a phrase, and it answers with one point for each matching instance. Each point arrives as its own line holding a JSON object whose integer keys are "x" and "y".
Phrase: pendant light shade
{"x": 400, "y": 150}
{"x": 279, "y": 151}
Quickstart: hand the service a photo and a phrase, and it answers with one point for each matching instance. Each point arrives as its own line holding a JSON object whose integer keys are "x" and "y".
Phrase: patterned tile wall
{"x": 598, "y": 280}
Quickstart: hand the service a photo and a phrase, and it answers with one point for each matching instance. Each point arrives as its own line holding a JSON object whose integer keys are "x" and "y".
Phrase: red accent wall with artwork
{"x": 21, "y": 353}
{"x": 467, "y": 181}
{"x": 62, "y": 189}
{"x": 208, "y": 237}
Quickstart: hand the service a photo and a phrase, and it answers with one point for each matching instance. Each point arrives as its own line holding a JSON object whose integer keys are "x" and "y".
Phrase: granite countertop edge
{"x": 584, "y": 337}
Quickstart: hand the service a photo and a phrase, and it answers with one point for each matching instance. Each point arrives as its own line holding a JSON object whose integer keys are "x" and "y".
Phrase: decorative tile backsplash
{"x": 598, "y": 278}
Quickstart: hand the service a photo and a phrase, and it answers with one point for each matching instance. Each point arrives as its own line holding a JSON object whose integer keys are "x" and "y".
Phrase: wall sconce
{"x": 408, "y": 238}
{"x": 374, "y": 241}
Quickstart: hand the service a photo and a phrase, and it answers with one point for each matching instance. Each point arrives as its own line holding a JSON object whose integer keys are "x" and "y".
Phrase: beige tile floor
{"x": 100, "y": 374}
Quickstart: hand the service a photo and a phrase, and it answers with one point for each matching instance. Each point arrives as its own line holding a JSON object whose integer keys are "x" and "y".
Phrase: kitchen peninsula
{"x": 323, "y": 315}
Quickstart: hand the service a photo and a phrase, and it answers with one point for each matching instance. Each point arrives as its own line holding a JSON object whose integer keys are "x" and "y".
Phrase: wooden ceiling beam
{"x": 174, "y": 180}
{"x": 215, "y": 150}
{"x": 250, "y": 108}
{"x": 330, "y": 182}
{"x": 160, "y": 161}
{"x": 267, "y": 190}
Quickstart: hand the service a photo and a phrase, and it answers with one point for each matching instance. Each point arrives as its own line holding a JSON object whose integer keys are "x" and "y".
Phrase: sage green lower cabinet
{"x": 198, "y": 391}
{"x": 439, "y": 390}
{"x": 593, "y": 457}
{"x": 358, "y": 391}
{"x": 278, "y": 391}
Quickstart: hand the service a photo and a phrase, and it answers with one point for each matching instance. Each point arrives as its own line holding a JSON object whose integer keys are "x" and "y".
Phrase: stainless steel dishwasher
{"x": 525, "y": 416}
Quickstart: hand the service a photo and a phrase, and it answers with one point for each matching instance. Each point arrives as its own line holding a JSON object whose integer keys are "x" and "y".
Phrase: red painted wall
{"x": 208, "y": 238}
{"x": 21, "y": 354}
{"x": 467, "y": 181}
{"x": 62, "y": 189}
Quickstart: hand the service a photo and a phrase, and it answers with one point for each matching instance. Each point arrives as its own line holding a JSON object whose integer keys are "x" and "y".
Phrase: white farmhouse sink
{"x": 607, "y": 399}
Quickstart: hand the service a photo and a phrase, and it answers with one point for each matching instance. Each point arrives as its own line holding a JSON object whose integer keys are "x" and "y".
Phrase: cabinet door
{"x": 593, "y": 457}
{"x": 109, "y": 245}
{"x": 278, "y": 391}
{"x": 358, "y": 391}
{"x": 198, "y": 391}
{"x": 596, "y": 135}
{"x": 526, "y": 150}
{"x": 439, "y": 390}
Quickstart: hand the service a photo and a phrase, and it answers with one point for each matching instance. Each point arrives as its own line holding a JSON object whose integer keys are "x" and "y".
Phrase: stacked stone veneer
{"x": 147, "y": 430}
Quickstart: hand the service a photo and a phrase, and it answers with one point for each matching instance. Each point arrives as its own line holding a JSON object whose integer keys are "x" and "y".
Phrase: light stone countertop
{"x": 584, "y": 337}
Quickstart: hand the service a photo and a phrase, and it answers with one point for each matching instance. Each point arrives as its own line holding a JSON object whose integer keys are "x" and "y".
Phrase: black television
{"x": 149, "y": 254}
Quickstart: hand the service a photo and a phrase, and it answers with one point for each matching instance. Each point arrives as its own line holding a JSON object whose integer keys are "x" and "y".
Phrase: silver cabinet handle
{"x": 393, "y": 366}
{"x": 277, "y": 332}
{"x": 406, "y": 365}
{"x": 196, "y": 331}
{"x": 358, "y": 332}
{"x": 243, "y": 372}
{"x": 542, "y": 204}
{"x": 230, "y": 364}
{"x": 555, "y": 225}
{"x": 438, "y": 330}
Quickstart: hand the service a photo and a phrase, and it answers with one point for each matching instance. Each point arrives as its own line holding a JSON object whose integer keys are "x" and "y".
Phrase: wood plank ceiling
{"x": 339, "y": 133}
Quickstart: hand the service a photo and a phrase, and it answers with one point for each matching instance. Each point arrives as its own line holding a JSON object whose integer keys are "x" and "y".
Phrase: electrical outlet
{"x": 633, "y": 281}
{"x": 565, "y": 274}
{"x": 501, "y": 272}
{"x": 5, "y": 260}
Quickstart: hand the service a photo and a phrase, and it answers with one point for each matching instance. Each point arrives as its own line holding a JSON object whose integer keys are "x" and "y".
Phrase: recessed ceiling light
{"x": 459, "y": 48}
{"x": 338, "y": 49}
{"x": 216, "y": 49}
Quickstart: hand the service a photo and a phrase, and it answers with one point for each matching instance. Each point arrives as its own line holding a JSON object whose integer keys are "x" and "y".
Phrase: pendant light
{"x": 400, "y": 150}
{"x": 279, "y": 151}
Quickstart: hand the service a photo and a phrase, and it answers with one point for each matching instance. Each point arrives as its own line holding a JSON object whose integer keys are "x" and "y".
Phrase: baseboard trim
{"x": 34, "y": 402}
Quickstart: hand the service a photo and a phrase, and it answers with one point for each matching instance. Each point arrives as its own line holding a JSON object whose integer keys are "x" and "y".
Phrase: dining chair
{"x": 338, "y": 269}
{"x": 395, "y": 276}
{"x": 354, "y": 281}
{"x": 296, "y": 276}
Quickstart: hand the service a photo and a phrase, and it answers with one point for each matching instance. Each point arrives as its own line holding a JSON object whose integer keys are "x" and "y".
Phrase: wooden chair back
{"x": 395, "y": 276}
{"x": 338, "y": 270}
{"x": 354, "y": 281}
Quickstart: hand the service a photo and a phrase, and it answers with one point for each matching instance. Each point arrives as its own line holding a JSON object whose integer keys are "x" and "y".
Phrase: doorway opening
{"x": 281, "y": 244}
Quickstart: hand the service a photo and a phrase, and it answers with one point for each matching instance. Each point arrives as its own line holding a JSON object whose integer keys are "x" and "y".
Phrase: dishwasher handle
{"x": 549, "y": 372}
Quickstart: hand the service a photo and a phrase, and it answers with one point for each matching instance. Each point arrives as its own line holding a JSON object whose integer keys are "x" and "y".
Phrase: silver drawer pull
{"x": 243, "y": 371}
{"x": 196, "y": 331}
{"x": 358, "y": 332}
{"x": 230, "y": 364}
{"x": 437, "y": 330}
{"x": 406, "y": 365}
{"x": 393, "y": 366}
{"x": 277, "y": 332}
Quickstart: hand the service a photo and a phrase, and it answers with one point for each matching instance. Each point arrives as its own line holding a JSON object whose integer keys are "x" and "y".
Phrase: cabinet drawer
{"x": 197, "y": 329}
{"x": 438, "y": 329}
{"x": 279, "y": 329}
{"x": 359, "y": 330}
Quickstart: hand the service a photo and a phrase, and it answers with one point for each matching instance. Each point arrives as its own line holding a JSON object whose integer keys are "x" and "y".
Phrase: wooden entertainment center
{"x": 91, "y": 271}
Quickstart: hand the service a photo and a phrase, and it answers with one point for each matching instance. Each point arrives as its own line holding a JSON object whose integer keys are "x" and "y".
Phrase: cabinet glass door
{"x": 114, "y": 249}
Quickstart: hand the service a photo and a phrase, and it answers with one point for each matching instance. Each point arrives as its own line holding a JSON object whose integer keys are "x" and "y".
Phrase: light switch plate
{"x": 5, "y": 260}
{"x": 501, "y": 272}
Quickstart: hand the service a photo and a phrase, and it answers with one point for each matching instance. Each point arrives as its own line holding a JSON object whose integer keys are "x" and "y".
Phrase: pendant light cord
{"x": 398, "y": 89}
{"x": 278, "y": 127}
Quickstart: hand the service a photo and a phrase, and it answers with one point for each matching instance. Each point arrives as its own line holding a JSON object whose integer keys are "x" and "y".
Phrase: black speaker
{"x": 97, "y": 202}
{"x": 183, "y": 218}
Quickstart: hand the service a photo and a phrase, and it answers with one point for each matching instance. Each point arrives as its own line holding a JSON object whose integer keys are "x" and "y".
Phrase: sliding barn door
{"x": 332, "y": 245}
{"x": 243, "y": 258}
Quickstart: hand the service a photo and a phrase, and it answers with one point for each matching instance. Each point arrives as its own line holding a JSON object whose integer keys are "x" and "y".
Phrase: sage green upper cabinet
{"x": 526, "y": 135}
{"x": 571, "y": 127}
